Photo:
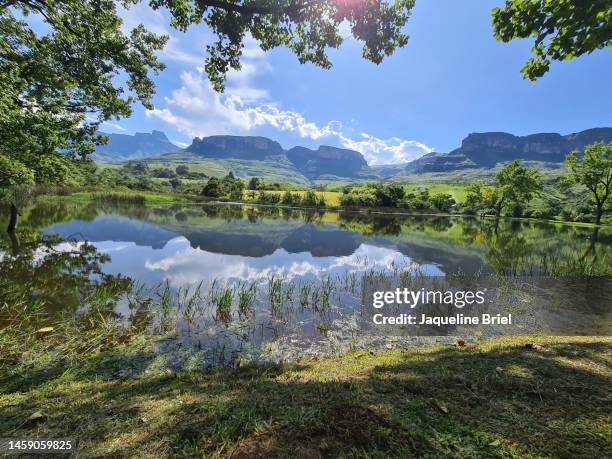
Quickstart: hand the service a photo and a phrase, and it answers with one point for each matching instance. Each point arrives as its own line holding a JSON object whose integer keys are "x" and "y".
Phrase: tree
{"x": 136, "y": 167}
{"x": 163, "y": 173}
{"x": 213, "y": 188}
{"x": 307, "y": 28}
{"x": 388, "y": 195}
{"x": 58, "y": 83}
{"x": 175, "y": 183}
{"x": 594, "y": 171}
{"x": 563, "y": 29}
{"x": 515, "y": 184}
{"x": 56, "y": 87}
{"x": 289, "y": 199}
{"x": 182, "y": 169}
{"x": 254, "y": 183}
{"x": 444, "y": 202}
{"x": 235, "y": 189}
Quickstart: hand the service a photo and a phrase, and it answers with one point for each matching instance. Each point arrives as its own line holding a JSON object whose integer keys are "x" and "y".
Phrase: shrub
{"x": 442, "y": 201}
{"x": 543, "y": 214}
{"x": 182, "y": 170}
{"x": 309, "y": 199}
{"x": 213, "y": 188}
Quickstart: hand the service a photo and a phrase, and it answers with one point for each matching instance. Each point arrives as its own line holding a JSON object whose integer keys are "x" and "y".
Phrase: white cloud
{"x": 176, "y": 52}
{"x": 389, "y": 151}
{"x": 116, "y": 126}
{"x": 196, "y": 110}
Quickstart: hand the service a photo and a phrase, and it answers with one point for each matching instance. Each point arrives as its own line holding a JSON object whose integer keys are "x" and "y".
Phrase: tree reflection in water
{"x": 41, "y": 273}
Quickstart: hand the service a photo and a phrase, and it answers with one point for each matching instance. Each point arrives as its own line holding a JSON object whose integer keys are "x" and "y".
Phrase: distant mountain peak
{"x": 486, "y": 149}
{"x": 123, "y": 147}
{"x": 327, "y": 160}
{"x": 238, "y": 147}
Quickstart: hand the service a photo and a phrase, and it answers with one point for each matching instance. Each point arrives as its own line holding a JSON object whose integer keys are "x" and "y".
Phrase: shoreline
{"x": 192, "y": 199}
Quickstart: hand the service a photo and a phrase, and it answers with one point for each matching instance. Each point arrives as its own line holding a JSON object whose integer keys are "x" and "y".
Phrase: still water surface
{"x": 298, "y": 271}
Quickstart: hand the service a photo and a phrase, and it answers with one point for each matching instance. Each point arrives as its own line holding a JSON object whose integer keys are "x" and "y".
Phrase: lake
{"x": 231, "y": 283}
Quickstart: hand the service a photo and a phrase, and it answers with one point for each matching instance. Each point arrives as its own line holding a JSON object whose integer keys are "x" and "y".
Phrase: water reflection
{"x": 206, "y": 259}
{"x": 46, "y": 271}
{"x": 191, "y": 242}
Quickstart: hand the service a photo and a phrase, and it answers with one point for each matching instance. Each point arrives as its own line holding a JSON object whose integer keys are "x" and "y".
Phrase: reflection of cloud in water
{"x": 180, "y": 264}
{"x": 40, "y": 253}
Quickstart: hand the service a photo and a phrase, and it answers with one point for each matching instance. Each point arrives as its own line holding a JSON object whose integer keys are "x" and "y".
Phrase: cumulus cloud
{"x": 389, "y": 151}
{"x": 196, "y": 110}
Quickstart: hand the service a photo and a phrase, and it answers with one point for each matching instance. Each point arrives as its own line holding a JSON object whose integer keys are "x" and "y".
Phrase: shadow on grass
{"x": 502, "y": 401}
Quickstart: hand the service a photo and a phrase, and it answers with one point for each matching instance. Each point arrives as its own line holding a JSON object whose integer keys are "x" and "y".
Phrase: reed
{"x": 116, "y": 197}
{"x": 247, "y": 294}
{"x": 275, "y": 293}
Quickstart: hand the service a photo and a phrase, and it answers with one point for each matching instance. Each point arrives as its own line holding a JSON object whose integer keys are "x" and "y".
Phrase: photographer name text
{"x": 415, "y": 298}
{"x": 459, "y": 319}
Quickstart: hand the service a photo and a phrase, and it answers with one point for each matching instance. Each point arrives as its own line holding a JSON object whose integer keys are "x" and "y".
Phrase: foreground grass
{"x": 497, "y": 399}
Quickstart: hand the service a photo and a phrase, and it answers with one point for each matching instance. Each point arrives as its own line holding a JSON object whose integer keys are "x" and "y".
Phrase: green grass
{"x": 497, "y": 399}
{"x": 127, "y": 197}
{"x": 278, "y": 170}
{"x": 457, "y": 190}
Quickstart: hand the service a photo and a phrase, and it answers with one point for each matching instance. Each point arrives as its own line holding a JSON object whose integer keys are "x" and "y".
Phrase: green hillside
{"x": 272, "y": 169}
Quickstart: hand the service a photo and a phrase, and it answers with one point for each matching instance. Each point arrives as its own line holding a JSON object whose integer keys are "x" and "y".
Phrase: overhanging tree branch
{"x": 253, "y": 9}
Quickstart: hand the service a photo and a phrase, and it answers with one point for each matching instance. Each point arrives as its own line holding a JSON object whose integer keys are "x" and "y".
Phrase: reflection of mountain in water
{"x": 450, "y": 261}
{"x": 322, "y": 243}
{"x": 232, "y": 238}
{"x": 243, "y": 238}
{"x": 113, "y": 228}
{"x": 249, "y": 245}
{"x": 305, "y": 238}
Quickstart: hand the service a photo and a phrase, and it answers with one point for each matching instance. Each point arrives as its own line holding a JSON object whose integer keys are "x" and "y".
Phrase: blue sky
{"x": 453, "y": 78}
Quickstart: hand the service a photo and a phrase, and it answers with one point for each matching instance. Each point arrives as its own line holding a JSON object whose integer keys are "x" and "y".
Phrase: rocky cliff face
{"x": 140, "y": 145}
{"x": 238, "y": 147}
{"x": 311, "y": 163}
{"x": 490, "y": 148}
{"x": 327, "y": 160}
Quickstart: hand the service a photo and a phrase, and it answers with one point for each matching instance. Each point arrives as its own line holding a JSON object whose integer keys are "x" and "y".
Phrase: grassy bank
{"x": 127, "y": 197}
{"x": 497, "y": 399}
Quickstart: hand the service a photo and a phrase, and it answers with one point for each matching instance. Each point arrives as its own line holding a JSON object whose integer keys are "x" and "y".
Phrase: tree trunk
{"x": 14, "y": 242}
{"x": 498, "y": 209}
{"x": 598, "y": 213}
{"x": 14, "y": 218}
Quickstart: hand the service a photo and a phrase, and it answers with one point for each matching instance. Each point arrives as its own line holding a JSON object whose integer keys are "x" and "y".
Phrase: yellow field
{"x": 332, "y": 198}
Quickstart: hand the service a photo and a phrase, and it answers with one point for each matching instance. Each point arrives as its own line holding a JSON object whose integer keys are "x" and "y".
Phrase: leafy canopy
{"x": 306, "y": 27}
{"x": 517, "y": 183}
{"x": 563, "y": 29}
{"x": 59, "y": 81}
{"x": 594, "y": 171}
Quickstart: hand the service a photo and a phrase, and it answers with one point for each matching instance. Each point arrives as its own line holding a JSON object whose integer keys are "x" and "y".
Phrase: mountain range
{"x": 491, "y": 148}
{"x": 248, "y": 155}
{"x": 124, "y": 147}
